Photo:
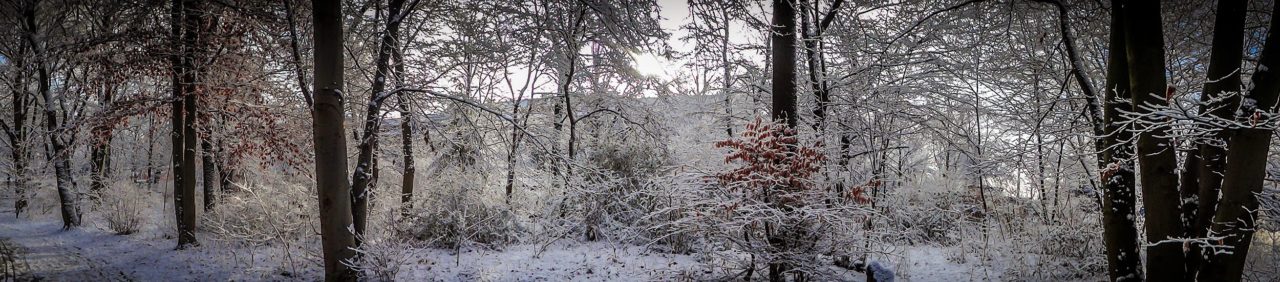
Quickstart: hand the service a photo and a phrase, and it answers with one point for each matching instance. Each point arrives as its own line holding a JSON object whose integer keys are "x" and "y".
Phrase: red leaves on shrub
{"x": 772, "y": 161}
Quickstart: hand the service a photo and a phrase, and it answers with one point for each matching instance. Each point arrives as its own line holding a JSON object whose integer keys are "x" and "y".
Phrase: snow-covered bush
{"x": 266, "y": 209}
{"x": 617, "y": 184}
{"x": 458, "y": 220}
{"x": 766, "y": 209}
{"x": 922, "y": 222}
{"x": 459, "y": 205}
{"x": 381, "y": 260}
{"x": 122, "y": 206}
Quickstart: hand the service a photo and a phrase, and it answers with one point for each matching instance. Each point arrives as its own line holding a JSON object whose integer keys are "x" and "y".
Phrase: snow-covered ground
{"x": 558, "y": 262}
{"x": 44, "y": 251}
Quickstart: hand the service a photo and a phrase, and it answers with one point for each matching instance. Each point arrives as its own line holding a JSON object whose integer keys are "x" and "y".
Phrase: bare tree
{"x": 365, "y": 162}
{"x": 57, "y": 151}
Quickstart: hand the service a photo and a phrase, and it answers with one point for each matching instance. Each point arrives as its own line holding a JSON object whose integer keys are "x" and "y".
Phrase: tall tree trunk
{"x": 1120, "y": 232}
{"x": 177, "y": 60}
{"x": 1156, "y": 160}
{"x": 57, "y": 152}
{"x": 204, "y": 116}
{"x": 811, "y": 39}
{"x": 365, "y": 163}
{"x": 330, "y": 143}
{"x": 1246, "y": 164}
{"x": 151, "y": 149}
{"x": 783, "y": 110}
{"x": 783, "y": 39}
{"x": 100, "y": 154}
{"x": 186, "y": 21}
{"x": 18, "y": 137}
{"x": 1225, "y": 61}
{"x": 406, "y": 135}
{"x": 728, "y": 74}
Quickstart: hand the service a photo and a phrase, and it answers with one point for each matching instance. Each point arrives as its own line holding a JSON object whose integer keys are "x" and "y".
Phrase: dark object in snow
{"x": 879, "y": 273}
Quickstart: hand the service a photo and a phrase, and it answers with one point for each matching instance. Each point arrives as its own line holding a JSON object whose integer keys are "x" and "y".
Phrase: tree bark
{"x": 365, "y": 162}
{"x": 100, "y": 154}
{"x": 186, "y": 21}
{"x": 18, "y": 137}
{"x": 209, "y": 168}
{"x": 1225, "y": 61}
{"x": 1157, "y": 163}
{"x": 728, "y": 74}
{"x": 810, "y": 40}
{"x": 1120, "y": 232}
{"x": 783, "y": 39}
{"x": 57, "y": 152}
{"x": 178, "y": 60}
{"x": 330, "y": 144}
{"x": 783, "y": 109}
{"x": 1246, "y": 165}
{"x": 406, "y": 135}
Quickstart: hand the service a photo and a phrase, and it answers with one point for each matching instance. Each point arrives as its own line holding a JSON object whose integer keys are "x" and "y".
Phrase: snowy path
{"x": 40, "y": 250}
{"x": 33, "y": 251}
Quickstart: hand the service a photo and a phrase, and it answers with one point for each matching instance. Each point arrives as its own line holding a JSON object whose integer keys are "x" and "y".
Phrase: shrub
{"x": 382, "y": 260}
{"x": 122, "y": 207}
{"x": 770, "y": 194}
{"x": 457, "y": 210}
{"x": 616, "y": 185}
{"x": 267, "y": 211}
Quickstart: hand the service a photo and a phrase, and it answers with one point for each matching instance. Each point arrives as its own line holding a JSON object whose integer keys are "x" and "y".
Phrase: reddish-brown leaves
{"x": 772, "y": 161}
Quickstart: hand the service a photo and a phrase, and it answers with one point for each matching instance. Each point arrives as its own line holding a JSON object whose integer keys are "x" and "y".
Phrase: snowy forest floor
{"x": 1014, "y": 248}
{"x": 39, "y": 250}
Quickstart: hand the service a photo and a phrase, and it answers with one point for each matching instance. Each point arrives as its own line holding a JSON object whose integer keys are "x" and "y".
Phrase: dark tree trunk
{"x": 330, "y": 143}
{"x": 784, "y": 62}
{"x": 225, "y": 166}
{"x": 178, "y": 60}
{"x": 728, "y": 74}
{"x": 1120, "y": 232}
{"x": 209, "y": 169}
{"x": 100, "y": 154}
{"x": 812, "y": 39}
{"x": 406, "y": 135}
{"x": 1225, "y": 60}
{"x": 225, "y": 169}
{"x": 100, "y": 163}
{"x": 783, "y": 57}
{"x": 1246, "y": 165}
{"x": 365, "y": 162}
{"x": 1155, "y": 152}
{"x": 56, "y": 151}
{"x": 18, "y": 137}
{"x": 186, "y": 19}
